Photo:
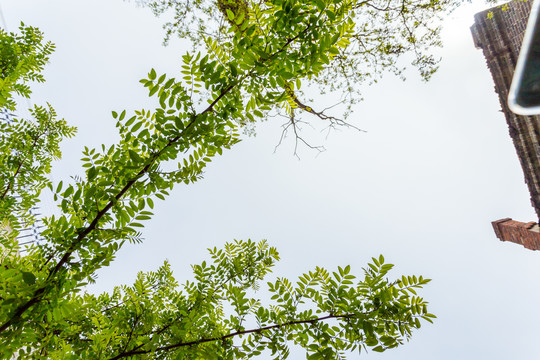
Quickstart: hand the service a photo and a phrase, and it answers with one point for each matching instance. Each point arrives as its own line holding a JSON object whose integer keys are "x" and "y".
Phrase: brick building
{"x": 499, "y": 32}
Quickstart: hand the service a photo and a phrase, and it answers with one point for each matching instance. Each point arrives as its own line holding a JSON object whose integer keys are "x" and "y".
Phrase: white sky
{"x": 421, "y": 187}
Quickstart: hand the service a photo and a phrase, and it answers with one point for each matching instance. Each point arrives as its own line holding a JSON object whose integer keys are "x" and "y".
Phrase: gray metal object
{"x": 524, "y": 94}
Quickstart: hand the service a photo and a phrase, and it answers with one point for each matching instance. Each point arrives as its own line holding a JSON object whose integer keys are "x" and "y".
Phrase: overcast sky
{"x": 422, "y": 186}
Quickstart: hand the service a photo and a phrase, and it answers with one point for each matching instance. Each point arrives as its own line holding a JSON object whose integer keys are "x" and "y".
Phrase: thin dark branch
{"x": 230, "y": 335}
{"x": 82, "y": 235}
{"x": 321, "y": 115}
{"x": 19, "y": 168}
{"x": 36, "y": 296}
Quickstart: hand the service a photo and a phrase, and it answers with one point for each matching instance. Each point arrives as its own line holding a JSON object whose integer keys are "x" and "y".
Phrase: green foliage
{"x": 27, "y": 148}
{"x": 340, "y": 44}
{"x": 326, "y": 313}
{"x": 22, "y": 58}
{"x": 502, "y": 7}
{"x": 259, "y": 66}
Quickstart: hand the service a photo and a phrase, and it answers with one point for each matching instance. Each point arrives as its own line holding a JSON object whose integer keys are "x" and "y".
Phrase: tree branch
{"x": 230, "y": 335}
{"x": 35, "y": 298}
{"x": 19, "y": 168}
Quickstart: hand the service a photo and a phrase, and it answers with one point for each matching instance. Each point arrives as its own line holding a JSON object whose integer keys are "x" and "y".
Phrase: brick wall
{"x": 526, "y": 234}
{"x": 499, "y": 32}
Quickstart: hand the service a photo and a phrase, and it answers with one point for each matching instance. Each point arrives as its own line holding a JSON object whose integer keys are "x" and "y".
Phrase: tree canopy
{"x": 22, "y": 57}
{"x": 334, "y": 46}
{"x": 253, "y": 65}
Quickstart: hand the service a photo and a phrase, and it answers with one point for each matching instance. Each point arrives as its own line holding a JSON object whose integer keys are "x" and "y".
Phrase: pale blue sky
{"x": 421, "y": 186}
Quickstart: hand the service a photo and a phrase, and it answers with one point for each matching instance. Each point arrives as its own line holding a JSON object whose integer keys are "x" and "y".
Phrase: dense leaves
{"x": 266, "y": 51}
{"x": 326, "y": 313}
{"x": 373, "y": 35}
{"x": 22, "y": 58}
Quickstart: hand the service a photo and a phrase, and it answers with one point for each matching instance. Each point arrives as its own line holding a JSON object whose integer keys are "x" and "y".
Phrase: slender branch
{"x": 12, "y": 181}
{"x": 40, "y": 292}
{"x": 230, "y": 335}
{"x": 19, "y": 168}
{"x": 135, "y": 323}
{"x": 82, "y": 235}
{"x": 320, "y": 114}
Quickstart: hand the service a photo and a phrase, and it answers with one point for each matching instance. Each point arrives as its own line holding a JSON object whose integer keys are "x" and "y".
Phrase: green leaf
{"x": 137, "y": 126}
{"x": 240, "y": 18}
{"x": 68, "y": 191}
{"x": 134, "y": 156}
{"x": 372, "y": 341}
{"x": 331, "y": 15}
{"x": 230, "y": 14}
{"x": 8, "y": 301}
{"x": 234, "y": 71}
{"x": 169, "y": 83}
{"x": 92, "y": 172}
{"x": 152, "y": 75}
{"x": 131, "y": 120}
{"x": 162, "y": 100}
{"x": 28, "y": 278}
{"x": 153, "y": 90}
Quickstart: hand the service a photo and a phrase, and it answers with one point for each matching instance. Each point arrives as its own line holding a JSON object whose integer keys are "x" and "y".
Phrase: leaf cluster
{"x": 259, "y": 66}
{"x": 27, "y": 149}
{"x": 22, "y": 58}
{"x": 328, "y": 314}
{"x": 379, "y": 33}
